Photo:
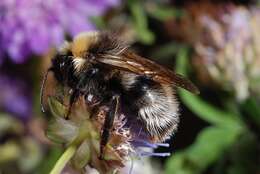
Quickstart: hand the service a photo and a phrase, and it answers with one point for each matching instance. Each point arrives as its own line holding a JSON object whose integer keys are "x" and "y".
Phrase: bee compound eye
{"x": 93, "y": 71}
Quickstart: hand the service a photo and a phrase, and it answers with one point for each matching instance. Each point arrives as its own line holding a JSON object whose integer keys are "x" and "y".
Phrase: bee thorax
{"x": 83, "y": 42}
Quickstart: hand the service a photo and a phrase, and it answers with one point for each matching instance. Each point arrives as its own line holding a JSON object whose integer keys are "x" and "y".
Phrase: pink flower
{"x": 33, "y": 26}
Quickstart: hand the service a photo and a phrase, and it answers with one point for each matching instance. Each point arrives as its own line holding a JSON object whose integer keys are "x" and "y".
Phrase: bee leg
{"x": 73, "y": 98}
{"x": 108, "y": 124}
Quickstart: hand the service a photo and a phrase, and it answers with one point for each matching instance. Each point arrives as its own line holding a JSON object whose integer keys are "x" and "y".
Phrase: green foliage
{"x": 9, "y": 152}
{"x": 208, "y": 112}
{"x": 251, "y": 106}
{"x": 243, "y": 156}
{"x": 212, "y": 142}
{"x": 162, "y": 12}
{"x": 166, "y": 51}
{"x": 50, "y": 159}
{"x": 60, "y": 130}
{"x": 30, "y": 155}
{"x": 23, "y": 154}
{"x": 9, "y": 125}
{"x": 140, "y": 21}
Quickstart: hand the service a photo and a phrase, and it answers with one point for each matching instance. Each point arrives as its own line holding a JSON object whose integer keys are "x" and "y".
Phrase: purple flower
{"x": 14, "y": 97}
{"x": 228, "y": 51}
{"x": 32, "y": 27}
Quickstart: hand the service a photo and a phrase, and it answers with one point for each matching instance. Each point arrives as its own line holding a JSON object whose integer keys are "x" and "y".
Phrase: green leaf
{"x": 182, "y": 61}
{"x": 178, "y": 164}
{"x": 56, "y": 107}
{"x": 49, "y": 161}
{"x": 140, "y": 22}
{"x": 9, "y": 151}
{"x": 210, "y": 144}
{"x": 62, "y": 131}
{"x": 99, "y": 22}
{"x": 30, "y": 156}
{"x": 166, "y": 51}
{"x": 251, "y": 106}
{"x": 82, "y": 155}
{"x": 209, "y": 112}
{"x": 9, "y": 124}
{"x": 243, "y": 156}
{"x": 163, "y": 13}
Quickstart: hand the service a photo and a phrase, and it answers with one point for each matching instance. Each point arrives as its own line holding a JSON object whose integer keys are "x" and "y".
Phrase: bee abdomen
{"x": 160, "y": 114}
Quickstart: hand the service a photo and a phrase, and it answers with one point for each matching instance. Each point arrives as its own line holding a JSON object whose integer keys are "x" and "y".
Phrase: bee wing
{"x": 131, "y": 62}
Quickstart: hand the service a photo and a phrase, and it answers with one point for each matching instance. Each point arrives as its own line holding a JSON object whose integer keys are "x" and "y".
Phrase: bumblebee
{"x": 100, "y": 68}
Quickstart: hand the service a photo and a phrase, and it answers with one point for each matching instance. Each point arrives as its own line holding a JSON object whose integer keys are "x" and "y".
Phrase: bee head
{"x": 84, "y": 48}
{"x": 62, "y": 67}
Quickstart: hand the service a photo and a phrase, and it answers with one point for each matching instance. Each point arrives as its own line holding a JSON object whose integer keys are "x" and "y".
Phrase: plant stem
{"x": 63, "y": 160}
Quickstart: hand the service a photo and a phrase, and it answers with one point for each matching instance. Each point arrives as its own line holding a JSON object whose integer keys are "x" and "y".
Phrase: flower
{"x": 226, "y": 44}
{"x": 140, "y": 166}
{"x": 82, "y": 131}
{"x": 32, "y": 27}
{"x": 229, "y": 50}
{"x": 14, "y": 97}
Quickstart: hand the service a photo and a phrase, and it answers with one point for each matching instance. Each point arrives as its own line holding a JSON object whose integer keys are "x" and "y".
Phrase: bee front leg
{"x": 73, "y": 98}
{"x": 108, "y": 123}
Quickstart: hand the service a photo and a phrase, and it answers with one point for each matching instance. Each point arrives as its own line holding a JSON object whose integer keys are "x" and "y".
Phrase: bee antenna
{"x": 43, "y": 88}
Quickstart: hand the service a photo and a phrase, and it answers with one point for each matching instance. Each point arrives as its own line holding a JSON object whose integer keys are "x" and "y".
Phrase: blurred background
{"x": 216, "y": 44}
